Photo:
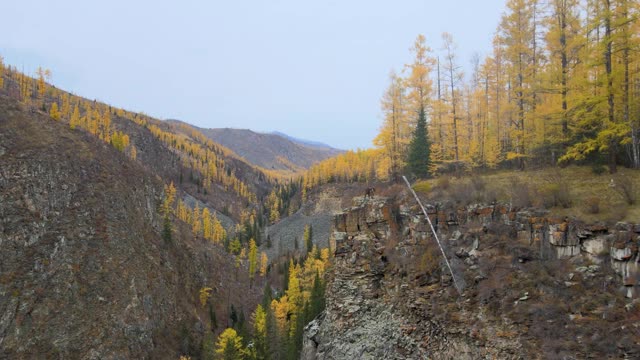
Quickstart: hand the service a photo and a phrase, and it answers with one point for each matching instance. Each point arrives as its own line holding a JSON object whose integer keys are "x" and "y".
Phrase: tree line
{"x": 561, "y": 85}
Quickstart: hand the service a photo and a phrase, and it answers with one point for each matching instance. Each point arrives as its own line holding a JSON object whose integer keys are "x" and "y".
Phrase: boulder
{"x": 596, "y": 246}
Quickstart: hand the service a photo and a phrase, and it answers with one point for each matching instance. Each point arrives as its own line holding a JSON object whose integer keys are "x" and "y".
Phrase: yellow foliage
{"x": 359, "y": 165}
{"x": 280, "y": 310}
{"x": 324, "y": 255}
{"x": 253, "y": 258}
{"x": 207, "y": 225}
{"x": 182, "y": 211}
{"x": 133, "y": 153}
{"x": 264, "y": 263}
{"x": 395, "y": 132}
{"x": 422, "y": 187}
{"x": 219, "y": 233}
{"x": 196, "y": 221}
{"x": 43, "y": 75}
{"x": 205, "y": 295}
{"x": 54, "y": 112}
{"x": 75, "y": 118}
{"x": 229, "y": 340}
{"x": 120, "y": 141}
{"x": 169, "y": 198}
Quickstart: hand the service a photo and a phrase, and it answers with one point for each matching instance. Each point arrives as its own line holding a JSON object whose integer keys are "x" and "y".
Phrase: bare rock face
{"x": 529, "y": 284}
{"x": 357, "y": 324}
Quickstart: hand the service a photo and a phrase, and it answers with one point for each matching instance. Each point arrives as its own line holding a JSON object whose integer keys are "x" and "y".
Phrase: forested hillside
{"x": 134, "y": 187}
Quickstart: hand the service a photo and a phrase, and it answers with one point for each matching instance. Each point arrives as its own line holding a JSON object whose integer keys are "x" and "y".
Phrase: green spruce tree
{"x": 308, "y": 238}
{"x": 317, "y": 297}
{"x": 418, "y": 160}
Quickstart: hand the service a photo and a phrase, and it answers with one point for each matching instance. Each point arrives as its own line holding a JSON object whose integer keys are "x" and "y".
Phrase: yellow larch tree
{"x": 204, "y": 295}
{"x": 454, "y": 76}
{"x": 253, "y": 259}
{"x": 207, "y": 226}
{"x": 183, "y": 211}
{"x": 43, "y": 76}
{"x": 229, "y": 345}
{"x": 54, "y": 112}
{"x": 74, "y": 121}
{"x": 281, "y": 311}
{"x": 418, "y": 80}
{"x": 260, "y": 332}
{"x": 264, "y": 263}
{"x": 517, "y": 34}
{"x": 196, "y": 220}
{"x": 65, "y": 110}
{"x": 133, "y": 152}
{"x": 170, "y": 196}
{"x": 219, "y": 233}
{"x": 295, "y": 297}
{"x": 395, "y": 133}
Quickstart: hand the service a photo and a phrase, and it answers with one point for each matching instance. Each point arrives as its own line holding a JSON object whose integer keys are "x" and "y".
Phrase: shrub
{"x": 624, "y": 186}
{"x": 462, "y": 193}
{"x": 422, "y": 187}
{"x": 430, "y": 261}
{"x": 478, "y": 183}
{"x": 598, "y": 169}
{"x": 491, "y": 195}
{"x": 592, "y": 205}
{"x": 617, "y": 213}
{"x": 555, "y": 194}
{"x": 520, "y": 194}
{"x": 443, "y": 182}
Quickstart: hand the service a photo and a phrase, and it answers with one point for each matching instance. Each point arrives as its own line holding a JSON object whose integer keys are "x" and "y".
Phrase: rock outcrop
{"x": 529, "y": 281}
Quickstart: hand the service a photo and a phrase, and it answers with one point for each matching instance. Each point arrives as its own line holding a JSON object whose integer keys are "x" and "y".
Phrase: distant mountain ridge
{"x": 272, "y": 151}
{"x": 311, "y": 143}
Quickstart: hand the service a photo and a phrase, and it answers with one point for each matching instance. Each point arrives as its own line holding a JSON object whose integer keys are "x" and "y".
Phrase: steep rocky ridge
{"x": 83, "y": 270}
{"x": 536, "y": 287}
{"x": 270, "y": 151}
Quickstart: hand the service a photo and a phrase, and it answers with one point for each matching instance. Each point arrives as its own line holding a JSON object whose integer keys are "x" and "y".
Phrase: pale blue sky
{"x": 311, "y": 69}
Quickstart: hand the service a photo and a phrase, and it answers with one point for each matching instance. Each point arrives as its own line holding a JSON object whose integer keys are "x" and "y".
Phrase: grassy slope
{"x": 577, "y": 184}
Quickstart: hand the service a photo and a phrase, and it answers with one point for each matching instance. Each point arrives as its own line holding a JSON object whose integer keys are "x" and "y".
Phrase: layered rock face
{"x": 528, "y": 284}
{"x": 558, "y": 238}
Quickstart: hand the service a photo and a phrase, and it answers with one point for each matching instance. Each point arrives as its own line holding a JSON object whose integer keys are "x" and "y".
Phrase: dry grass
{"x": 564, "y": 191}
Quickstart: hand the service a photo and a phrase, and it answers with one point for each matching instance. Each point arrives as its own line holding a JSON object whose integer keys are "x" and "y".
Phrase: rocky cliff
{"x": 532, "y": 286}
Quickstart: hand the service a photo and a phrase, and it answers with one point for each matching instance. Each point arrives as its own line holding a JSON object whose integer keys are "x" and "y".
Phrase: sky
{"x": 312, "y": 69}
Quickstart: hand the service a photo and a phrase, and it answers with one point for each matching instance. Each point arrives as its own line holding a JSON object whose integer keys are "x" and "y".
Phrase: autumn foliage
{"x": 561, "y": 85}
